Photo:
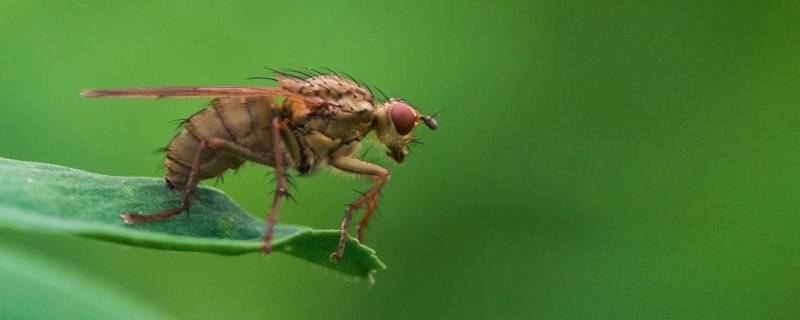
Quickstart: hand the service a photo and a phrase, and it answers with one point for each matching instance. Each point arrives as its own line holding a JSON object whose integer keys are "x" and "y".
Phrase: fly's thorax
{"x": 343, "y": 125}
{"x": 321, "y": 137}
{"x": 346, "y": 112}
{"x": 327, "y": 86}
{"x": 342, "y": 117}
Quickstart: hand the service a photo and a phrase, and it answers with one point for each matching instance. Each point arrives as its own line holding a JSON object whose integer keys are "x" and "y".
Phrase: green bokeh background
{"x": 596, "y": 160}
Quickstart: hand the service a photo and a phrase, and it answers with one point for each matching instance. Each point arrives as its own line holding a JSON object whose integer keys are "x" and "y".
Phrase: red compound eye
{"x": 404, "y": 117}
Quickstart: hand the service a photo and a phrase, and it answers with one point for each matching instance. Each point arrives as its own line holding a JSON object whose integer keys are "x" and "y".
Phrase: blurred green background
{"x": 598, "y": 159}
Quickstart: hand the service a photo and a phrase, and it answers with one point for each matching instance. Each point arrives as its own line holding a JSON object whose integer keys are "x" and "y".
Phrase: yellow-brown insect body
{"x": 320, "y": 122}
{"x": 335, "y": 128}
{"x": 244, "y": 120}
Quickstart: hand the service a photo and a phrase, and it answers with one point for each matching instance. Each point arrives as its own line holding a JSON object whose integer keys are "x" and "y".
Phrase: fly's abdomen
{"x": 245, "y": 121}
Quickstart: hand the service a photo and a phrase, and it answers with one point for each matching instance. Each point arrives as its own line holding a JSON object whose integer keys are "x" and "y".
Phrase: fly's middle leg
{"x": 280, "y": 190}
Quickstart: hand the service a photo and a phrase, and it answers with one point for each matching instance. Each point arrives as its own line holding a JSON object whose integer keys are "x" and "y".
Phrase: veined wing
{"x": 195, "y": 92}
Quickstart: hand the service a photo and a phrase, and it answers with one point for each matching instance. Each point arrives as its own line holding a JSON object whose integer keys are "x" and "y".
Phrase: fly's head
{"x": 395, "y": 121}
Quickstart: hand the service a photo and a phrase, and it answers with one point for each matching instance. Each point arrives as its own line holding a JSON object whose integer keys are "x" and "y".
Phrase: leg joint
{"x": 383, "y": 173}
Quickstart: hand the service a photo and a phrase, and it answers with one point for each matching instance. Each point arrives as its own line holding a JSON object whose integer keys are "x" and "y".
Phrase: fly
{"x": 320, "y": 121}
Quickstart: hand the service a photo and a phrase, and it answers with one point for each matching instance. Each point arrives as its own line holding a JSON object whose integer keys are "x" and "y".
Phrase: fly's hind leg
{"x": 239, "y": 151}
{"x": 280, "y": 170}
{"x": 191, "y": 186}
{"x": 368, "y": 199}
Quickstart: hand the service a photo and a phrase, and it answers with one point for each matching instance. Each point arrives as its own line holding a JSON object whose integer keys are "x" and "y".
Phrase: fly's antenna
{"x": 430, "y": 120}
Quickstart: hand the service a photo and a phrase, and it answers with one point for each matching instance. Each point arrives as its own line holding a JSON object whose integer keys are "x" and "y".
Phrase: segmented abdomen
{"x": 245, "y": 121}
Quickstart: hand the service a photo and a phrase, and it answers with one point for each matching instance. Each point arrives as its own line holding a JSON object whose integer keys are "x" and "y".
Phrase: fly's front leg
{"x": 380, "y": 175}
{"x": 372, "y": 205}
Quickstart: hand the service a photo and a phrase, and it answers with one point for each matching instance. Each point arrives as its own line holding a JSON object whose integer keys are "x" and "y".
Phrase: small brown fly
{"x": 320, "y": 122}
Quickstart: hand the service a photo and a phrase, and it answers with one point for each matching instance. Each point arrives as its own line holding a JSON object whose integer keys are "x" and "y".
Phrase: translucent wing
{"x": 195, "y": 92}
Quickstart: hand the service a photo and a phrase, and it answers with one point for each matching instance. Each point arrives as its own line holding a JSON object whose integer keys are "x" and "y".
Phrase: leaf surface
{"x": 45, "y": 197}
{"x": 37, "y": 287}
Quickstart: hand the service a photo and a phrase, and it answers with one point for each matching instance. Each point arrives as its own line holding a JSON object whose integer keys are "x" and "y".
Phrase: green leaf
{"x": 36, "y": 287}
{"x": 45, "y": 197}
